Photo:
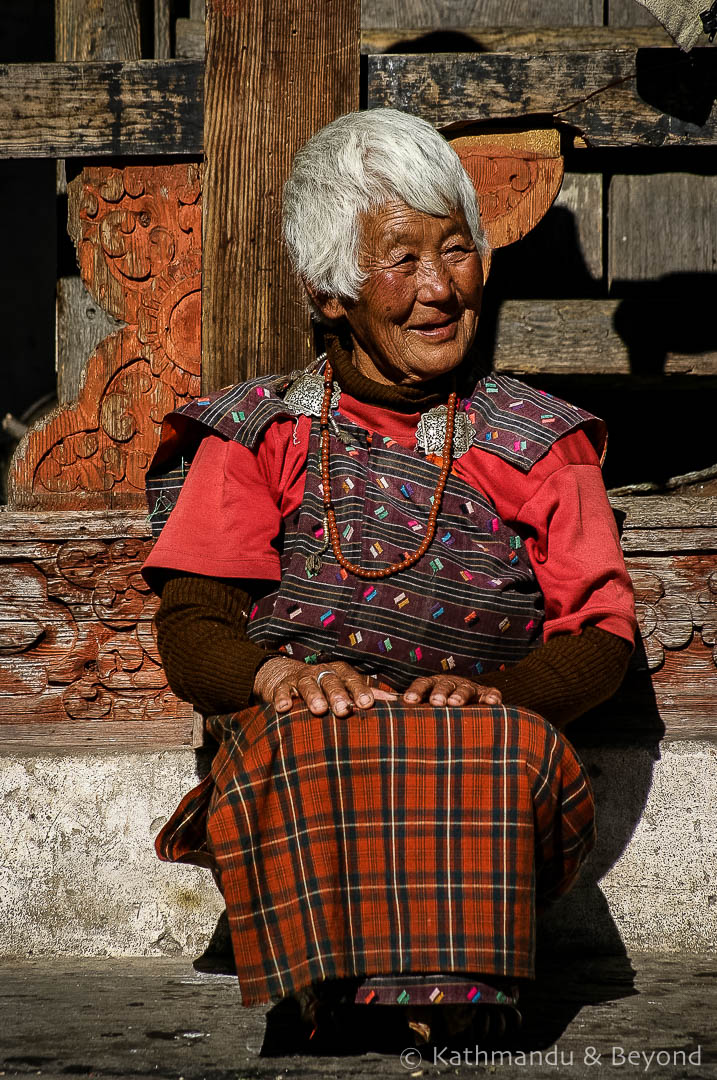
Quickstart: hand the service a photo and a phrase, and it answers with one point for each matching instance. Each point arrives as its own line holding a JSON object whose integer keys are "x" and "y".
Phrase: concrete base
{"x": 78, "y": 873}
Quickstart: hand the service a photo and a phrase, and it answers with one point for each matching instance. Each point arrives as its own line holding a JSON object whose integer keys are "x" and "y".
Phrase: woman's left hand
{"x": 451, "y": 690}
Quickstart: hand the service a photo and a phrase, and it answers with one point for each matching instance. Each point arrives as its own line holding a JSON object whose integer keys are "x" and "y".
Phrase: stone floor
{"x": 123, "y": 1019}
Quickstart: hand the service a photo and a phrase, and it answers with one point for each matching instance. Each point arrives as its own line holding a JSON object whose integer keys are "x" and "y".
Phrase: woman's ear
{"x": 330, "y": 306}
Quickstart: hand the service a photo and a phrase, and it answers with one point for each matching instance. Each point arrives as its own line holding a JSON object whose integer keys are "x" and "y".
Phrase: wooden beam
{"x": 20, "y": 530}
{"x": 665, "y": 518}
{"x": 92, "y": 677}
{"x": 134, "y": 735}
{"x": 652, "y": 97}
{"x": 516, "y": 39}
{"x": 277, "y": 71}
{"x": 656, "y": 524}
{"x": 133, "y": 108}
{"x": 602, "y": 337}
{"x": 449, "y": 13}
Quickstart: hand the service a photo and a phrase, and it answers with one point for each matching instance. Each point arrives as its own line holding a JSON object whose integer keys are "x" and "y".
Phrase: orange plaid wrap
{"x": 398, "y": 839}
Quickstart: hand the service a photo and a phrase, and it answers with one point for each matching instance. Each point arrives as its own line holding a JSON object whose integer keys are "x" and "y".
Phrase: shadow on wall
{"x": 647, "y": 411}
{"x": 618, "y": 748}
{"x": 673, "y": 314}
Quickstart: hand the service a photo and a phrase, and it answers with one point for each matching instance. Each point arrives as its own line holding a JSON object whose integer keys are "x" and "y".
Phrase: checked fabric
{"x": 398, "y": 839}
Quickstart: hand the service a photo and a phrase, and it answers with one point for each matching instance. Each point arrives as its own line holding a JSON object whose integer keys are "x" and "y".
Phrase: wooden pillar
{"x": 276, "y": 71}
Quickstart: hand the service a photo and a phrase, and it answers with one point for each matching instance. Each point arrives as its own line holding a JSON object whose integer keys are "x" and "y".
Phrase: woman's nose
{"x": 434, "y": 281}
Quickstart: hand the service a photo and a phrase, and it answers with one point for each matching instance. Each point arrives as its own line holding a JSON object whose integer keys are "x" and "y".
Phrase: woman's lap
{"x": 396, "y": 839}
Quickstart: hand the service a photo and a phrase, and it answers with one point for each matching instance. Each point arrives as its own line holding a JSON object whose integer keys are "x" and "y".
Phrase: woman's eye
{"x": 404, "y": 260}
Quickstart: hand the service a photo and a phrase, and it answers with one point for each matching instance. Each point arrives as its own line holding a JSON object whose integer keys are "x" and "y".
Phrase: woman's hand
{"x": 451, "y": 690}
{"x": 280, "y": 680}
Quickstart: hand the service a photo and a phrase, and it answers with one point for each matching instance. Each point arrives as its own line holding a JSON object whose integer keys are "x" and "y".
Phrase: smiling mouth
{"x": 438, "y": 330}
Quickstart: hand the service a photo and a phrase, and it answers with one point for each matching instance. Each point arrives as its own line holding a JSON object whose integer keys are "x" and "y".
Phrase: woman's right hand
{"x": 280, "y": 680}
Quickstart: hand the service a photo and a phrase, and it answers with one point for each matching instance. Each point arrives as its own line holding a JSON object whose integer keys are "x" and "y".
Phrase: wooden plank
{"x": 110, "y": 31}
{"x": 257, "y": 115}
{"x": 579, "y": 206}
{"x": 162, "y": 30}
{"x": 81, "y": 325}
{"x": 655, "y": 524}
{"x": 133, "y": 108}
{"x": 450, "y": 13}
{"x": 460, "y": 38}
{"x": 690, "y": 540}
{"x": 663, "y": 226}
{"x": 672, "y": 515}
{"x": 630, "y": 13}
{"x": 38, "y": 737}
{"x": 21, "y": 528}
{"x": 655, "y": 97}
{"x": 189, "y": 38}
{"x": 602, "y": 337}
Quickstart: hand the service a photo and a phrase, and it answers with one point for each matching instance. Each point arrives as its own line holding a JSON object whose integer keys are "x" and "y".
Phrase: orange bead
{"x": 324, "y": 448}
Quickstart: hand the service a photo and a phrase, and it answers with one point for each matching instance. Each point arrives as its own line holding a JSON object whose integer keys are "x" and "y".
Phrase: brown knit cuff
{"x": 201, "y": 635}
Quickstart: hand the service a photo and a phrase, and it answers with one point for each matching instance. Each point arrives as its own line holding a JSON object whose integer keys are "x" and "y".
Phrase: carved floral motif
{"x": 665, "y": 622}
{"x": 138, "y": 237}
{"x": 707, "y": 619}
{"x": 671, "y": 609}
{"x": 77, "y": 639}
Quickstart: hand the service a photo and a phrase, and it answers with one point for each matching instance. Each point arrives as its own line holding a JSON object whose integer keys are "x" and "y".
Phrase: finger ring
{"x": 322, "y": 675}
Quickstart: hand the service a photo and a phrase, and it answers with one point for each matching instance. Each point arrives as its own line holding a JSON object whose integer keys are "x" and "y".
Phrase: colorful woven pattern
{"x": 469, "y": 605}
{"x": 395, "y": 840}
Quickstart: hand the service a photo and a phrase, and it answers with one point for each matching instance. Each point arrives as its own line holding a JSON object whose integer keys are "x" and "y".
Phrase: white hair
{"x": 355, "y": 164}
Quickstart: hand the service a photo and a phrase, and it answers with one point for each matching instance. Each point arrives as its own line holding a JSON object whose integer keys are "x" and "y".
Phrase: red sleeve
{"x": 572, "y": 540}
{"x": 229, "y": 512}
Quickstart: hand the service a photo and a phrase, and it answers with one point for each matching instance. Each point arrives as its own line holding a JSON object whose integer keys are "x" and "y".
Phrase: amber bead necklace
{"x": 330, "y": 517}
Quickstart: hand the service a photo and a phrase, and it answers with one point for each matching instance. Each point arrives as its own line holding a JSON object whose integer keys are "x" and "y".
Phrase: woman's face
{"x": 417, "y": 313}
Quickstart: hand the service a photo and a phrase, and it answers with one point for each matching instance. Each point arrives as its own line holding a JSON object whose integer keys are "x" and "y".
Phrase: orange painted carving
{"x": 137, "y": 232}
{"x": 517, "y": 175}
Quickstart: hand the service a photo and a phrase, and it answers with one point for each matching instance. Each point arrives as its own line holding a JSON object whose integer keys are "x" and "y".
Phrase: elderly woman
{"x": 388, "y": 582}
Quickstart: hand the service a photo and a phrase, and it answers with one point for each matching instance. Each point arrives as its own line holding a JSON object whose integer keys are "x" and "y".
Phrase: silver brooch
{"x": 306, "y": 394}
{"x": 431, "y": 432}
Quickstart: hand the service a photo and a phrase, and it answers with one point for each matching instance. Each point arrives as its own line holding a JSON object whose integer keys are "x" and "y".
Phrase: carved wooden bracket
{"x": 137, "y": 232}
{"x": 517, "y": 176}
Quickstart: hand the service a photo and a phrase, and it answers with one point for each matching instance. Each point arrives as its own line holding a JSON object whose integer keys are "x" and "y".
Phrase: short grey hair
{"x": 355, "y": 164}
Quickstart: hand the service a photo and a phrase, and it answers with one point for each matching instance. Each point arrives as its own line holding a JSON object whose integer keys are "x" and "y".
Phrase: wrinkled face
{"x": 417, "y": 313}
